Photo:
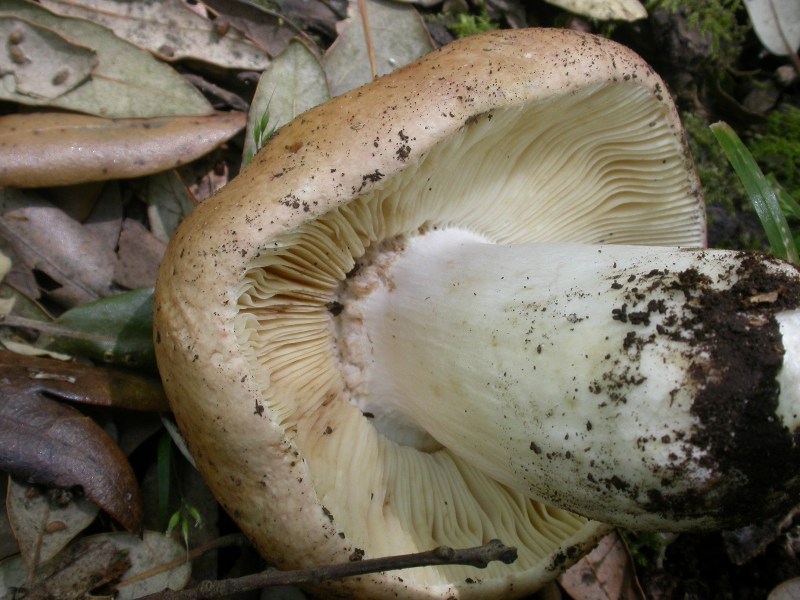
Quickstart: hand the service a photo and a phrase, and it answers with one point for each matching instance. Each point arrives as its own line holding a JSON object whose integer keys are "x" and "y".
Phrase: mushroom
{"x": 470, "y": 301}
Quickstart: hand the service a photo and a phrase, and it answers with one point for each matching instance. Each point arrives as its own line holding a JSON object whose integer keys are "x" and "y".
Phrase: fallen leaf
{"x": 8, "y": 543}
{"x": 116, "y": 330}
{"x": 168, "y": 203}
{"x": 398, "y": 36}
{"x": 776, "y": 23}
{"x": 140, "y": 254}
{"x": 269, "y": 29}
{"x": 42, "y": 525}
{"x": 47, "y": 149}
{"x": 80, "y": 383}
{"x": 149, "y": 555}
{"x": 78, "y": 265}
{"x": 127, "y": 81}
{"x": 292, "y": 84}
{"x": 604, "y": 10}
{"x": 606, "y": 573}
{"x": 42, "y": 64}
{"x": 168, "y": 29}
{"x": 84, "y": 565}
{"x": 46, "y": 442}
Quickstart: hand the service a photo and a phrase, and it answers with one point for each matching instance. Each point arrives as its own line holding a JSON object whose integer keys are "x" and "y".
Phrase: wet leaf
{"x": 42, "y": 63}
{"x": 398, "y": 36}
{"x": 79, "y": 265}
{"x": 46, "y": 442}
{"x": 42, "y": 525}
{"x": 606, "y": 573}
{"x": 605, "y": 10}
{"x": 116, "y": 330}
{"x": 293, "y": 83}
{"x": 168, "y": 29}
{"x": 47, "y": 149}
{"x": 84, "y": 565}
{"x": 127, "y": 81}
{"x": 80, "y": 383}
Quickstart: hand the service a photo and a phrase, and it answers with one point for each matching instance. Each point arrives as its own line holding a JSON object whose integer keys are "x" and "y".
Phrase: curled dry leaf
{"x": 41, "y": 63}
{"x": 49, "y": 443}
{"x": 169, "y": 29}
{"x": 43, "y": 525}
{"x": 80, "y": 383}
{"x": 47, "y": 149}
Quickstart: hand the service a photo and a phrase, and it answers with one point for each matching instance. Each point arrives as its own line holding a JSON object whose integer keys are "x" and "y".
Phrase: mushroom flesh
{"x": 467, "y": 301}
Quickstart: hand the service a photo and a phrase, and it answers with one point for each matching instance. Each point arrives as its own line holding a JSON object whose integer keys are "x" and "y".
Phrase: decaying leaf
{"x": 38, "y": 62}
{"x": 127, "y": 81}
{"x": 293, "y": 83}
{"x": 80, "y": 383}
{"x": 87, "y": 564}
{"x": 49, "y": 443}
{"x": 606, "y": 573}
{"x": 604, "y": 10}
{"x": 77, "y": 263}
{"x": 397, "y": 37}
{"x": 148, "y": 556}
{"x": 169, "y": 29}
{"x": 47, "y": 149}
{"x": 43, "y": 525}
{"x": 776, "y": 23}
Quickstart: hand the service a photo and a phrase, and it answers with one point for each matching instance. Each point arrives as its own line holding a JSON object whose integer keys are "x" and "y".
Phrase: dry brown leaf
{"x": 78, "y": 264}
{"x": 48, "y": 149}
{"x": 28, "y": 57}
{"x": 606, "y": 573}
{"x": 44, "y": 525}
{"x": 49, "y": 443}
{"x": 140, "y": 255}
{"x": 80, "y": 383}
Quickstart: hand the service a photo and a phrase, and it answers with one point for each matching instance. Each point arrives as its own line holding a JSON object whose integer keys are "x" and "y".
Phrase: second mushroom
{"x": 468, "y": 301}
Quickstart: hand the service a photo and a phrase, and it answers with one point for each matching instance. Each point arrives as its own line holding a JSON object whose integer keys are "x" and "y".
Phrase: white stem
{"x": 623, "y": 383}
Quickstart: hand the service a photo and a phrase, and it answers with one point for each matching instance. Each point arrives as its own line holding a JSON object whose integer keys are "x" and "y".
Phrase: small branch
{"x": 373, "y": 64}
{"x": 479, "y": 556}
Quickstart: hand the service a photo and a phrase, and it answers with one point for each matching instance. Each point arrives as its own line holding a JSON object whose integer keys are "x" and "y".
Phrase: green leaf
{"x": 116, "y": 330}
{"x": 761, "y": 192}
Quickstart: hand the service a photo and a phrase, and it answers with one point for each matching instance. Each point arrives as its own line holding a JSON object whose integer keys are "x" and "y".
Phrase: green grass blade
{"x": 760, "y": 192}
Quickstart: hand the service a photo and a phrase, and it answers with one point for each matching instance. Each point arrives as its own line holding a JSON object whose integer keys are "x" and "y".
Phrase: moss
{"x": 718, "y": 19}
{"x": 468, "y": 25}
{"x": 777, "y": 149}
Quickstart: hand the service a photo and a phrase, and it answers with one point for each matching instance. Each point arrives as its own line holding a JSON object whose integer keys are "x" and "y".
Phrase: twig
{"x": 479, "y": 556}
{"x": 373, "y": 65}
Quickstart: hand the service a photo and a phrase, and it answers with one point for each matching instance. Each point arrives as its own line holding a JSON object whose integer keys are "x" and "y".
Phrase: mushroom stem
{"x": 647, "y": 387}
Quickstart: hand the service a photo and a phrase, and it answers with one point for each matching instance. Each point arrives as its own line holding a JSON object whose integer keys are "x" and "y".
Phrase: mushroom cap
{"x": 518, "y": 136}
